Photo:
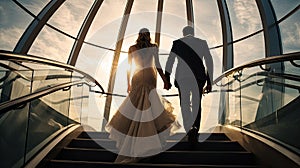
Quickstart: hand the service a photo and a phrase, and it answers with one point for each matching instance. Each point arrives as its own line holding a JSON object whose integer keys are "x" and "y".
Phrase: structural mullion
{"x": 190, "y": 12}
{"x": 227, "y": 55}
{"x": 158, "y": 21}
{"x": 272, "y": 37}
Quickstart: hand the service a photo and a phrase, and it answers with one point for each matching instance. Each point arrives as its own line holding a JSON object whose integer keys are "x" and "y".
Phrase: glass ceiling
{"x": 58, "y": 35}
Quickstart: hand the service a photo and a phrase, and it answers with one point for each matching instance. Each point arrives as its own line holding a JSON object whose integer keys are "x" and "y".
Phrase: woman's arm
{"x": 159, "y": 69}
{"x": 129, "y": 69}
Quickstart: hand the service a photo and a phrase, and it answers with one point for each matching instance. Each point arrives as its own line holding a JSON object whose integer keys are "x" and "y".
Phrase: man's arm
{"x": 210, "y": 67}
{"x": 170, "y": 62}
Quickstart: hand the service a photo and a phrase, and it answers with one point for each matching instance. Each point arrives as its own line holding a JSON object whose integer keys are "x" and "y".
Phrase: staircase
{"x": 84, "y": 151}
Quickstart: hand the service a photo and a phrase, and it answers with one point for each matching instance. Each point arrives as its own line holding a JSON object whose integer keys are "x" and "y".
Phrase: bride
{"x": 144, "y": 120}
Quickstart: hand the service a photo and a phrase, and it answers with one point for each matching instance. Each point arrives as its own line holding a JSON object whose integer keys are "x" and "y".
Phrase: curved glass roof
{"x": 94, "y": 34}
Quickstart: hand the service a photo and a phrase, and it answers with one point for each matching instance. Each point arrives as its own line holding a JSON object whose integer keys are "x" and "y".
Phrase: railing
{"x": 40, "y": 98}
{"x": 264, "y": 100}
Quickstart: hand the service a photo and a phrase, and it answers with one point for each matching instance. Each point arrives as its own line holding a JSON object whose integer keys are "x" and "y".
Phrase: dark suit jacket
{"x": 190, "y": 52}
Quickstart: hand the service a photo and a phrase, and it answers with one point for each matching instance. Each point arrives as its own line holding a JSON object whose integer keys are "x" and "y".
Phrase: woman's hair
{"x": 144, "y": 40}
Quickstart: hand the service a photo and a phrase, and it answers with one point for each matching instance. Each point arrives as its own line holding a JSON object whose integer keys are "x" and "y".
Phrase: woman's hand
{"x": 128, "y": 88}
{"x": 167, "y": 85}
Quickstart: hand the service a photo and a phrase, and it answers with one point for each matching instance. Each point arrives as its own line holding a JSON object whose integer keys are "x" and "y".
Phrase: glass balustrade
{"x": 265, "y": 99}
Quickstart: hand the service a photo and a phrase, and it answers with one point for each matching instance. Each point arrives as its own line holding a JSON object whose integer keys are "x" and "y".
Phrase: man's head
{"x": 188, "y": 30}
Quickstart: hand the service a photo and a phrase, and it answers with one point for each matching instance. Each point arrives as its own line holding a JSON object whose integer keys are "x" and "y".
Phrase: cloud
{"x": 9, "y": 37}
{"x": 52, "y": 45}
{"x": 245, "y": 17}
{"x": 290, "y": 33}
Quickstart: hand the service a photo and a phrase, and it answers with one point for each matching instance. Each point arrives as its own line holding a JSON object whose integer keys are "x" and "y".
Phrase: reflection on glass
{"x": 52, "y": 44}
{"x": 34, "y": 6}
{"x": 250, "y": 49}
{"x": 106, "y": 24}
{"x": 14, "y": 22}
{"x": 69, "y": 17}
{"x": 282, "y": 8}
{"x": 244, "y": 17}
{"x": 207, "y": 22}
{"x": 13, "y": 129}
{"x": 290, "y": 33}
{"x": 15, "y": 81}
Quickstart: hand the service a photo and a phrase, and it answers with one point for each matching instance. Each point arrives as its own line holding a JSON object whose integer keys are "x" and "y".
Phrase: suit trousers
{"x": 190, "y": 94}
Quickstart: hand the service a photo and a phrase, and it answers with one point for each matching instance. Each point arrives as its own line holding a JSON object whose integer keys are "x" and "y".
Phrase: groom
{"x": 190, "y": 77}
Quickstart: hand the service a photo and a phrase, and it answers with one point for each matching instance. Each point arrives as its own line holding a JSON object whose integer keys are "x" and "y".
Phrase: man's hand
{"x": 207, "y": 89}
{"x": 128, "y": 88}
{"x": 167, "y": 85}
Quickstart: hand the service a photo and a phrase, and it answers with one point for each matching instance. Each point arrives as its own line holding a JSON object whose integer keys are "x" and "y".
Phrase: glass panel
{"x": 282, "y": 8}
{"x": 96, "y": 62}
{"x": 268, "y": 102}
{"x": 207, "y": 22}
{"x": 253, "y": 94}
{"x": 48, "y": 115}
{"x": 13, "y": 127}
{"x": 14, "y": 22}
{"x": 174, "y": 19}
{"x": 15, "y": 82}
{"x": 290, "y": 33}
{"x": 34, "y": 6}
{"x": 95, "y": 114}
{"x": 217, "y": 55}
{"x": 44, "y": 79}
{"x": 79, "y": 104}
{"x": 140, "y": 10}
{"x": 52, "y": 45}
{"x": 106, "y": 24}
{"x": 250, "y": 49}
{"x": 234, "y": 103}
{"x": 244, "y": 16}
{"x": 70, "y": 16}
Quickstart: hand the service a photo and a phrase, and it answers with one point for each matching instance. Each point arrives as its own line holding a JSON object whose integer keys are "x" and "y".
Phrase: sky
{"x": 105, "y": 28}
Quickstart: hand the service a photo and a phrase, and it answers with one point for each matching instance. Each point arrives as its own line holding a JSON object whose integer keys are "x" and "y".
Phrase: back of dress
{"x": 144, "y": 57}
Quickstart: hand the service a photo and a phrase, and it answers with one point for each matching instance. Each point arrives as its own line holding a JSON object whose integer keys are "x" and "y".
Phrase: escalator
{"x": 44, "y": 113}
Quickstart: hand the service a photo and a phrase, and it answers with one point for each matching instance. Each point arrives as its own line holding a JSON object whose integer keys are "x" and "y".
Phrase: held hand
{"x": 207, "y": 89}
{"x": 167, "y": 85}
{"x": 128, "y": 88}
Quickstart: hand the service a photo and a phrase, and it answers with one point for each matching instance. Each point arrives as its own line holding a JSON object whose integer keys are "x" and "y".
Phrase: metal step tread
{"x": 91, "y": 164}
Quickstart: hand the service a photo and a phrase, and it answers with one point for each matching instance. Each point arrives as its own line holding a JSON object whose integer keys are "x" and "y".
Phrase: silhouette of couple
{"x": 145, "y": 120}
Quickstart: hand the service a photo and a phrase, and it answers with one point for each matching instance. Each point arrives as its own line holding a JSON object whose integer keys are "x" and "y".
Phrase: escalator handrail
{"x": 269, "y": 60}
{"x": 6, "y": 55}
{"x": 15, "y": 103}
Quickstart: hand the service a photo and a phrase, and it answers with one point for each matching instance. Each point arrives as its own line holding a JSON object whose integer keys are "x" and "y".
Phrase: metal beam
{"x": 190, "y": 12}
{"x": 227, "y": 55}
{"x": 273, "y": 45}
{"x": 83, "y": 31}
{"x": 36, "y": 26}
{"x": 227, "y": 35}
{"x": 114, "y": 67}
{"x": 158, "y": 21}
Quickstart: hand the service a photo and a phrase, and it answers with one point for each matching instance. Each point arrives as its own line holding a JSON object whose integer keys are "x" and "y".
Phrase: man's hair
{"x": 188, "y": 30}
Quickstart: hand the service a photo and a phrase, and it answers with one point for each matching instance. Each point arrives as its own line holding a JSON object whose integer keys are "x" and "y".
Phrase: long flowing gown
{"x": 144, "y": 120}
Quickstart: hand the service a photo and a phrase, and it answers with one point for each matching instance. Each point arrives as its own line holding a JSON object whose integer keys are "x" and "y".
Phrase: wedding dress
{"x": 144, "y": 120}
